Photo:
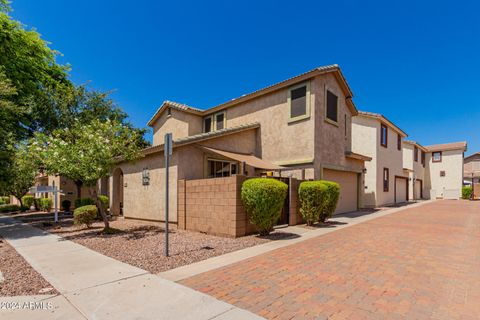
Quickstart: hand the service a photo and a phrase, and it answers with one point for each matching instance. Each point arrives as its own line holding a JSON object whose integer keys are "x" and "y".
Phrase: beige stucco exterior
{"x": 450, "y": 185}
{"x": 366, "y": 132}
{"x": 416, "y": 170}
{"x": 180, "y": 124}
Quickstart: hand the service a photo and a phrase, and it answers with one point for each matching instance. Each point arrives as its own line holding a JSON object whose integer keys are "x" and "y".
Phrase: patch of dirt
{"x": 19, "y": 278}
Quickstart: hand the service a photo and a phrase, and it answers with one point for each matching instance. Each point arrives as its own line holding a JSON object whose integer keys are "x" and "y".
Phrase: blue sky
{"x": 418, "y": 62}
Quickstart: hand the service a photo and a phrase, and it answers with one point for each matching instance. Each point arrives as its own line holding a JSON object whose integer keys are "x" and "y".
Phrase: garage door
{"x": 348, "y": 189}
{"x": 400, "y": 190}
{"x": 418, "y": 190}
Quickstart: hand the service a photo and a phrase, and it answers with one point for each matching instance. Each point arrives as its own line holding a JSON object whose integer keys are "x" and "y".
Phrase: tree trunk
{"x": 79, "y": 185}
{"x": 101, "y": 209}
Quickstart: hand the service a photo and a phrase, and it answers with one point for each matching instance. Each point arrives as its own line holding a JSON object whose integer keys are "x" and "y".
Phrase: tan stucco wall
{"x": 366, "y": 141}
{"x": 452, "y": 164}
{"x": 417, "y": 167}
{"x": 472, "y": 164}
{"x": 180, "y": 124}
{"x": 279, "y": 140}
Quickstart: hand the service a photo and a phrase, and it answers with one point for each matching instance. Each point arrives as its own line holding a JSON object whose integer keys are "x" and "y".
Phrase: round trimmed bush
{"x": 312, "y": 200}
{"x": 263, "y": 199}
{"x": 66, "y": 204}
{"x": 5, "y": 200}
{"x": 467, "y": 192}
{"x": 45, "y": 204}
{"x": 2, "y": 201}
{"x": 28, "y": 201}
{"x": 332, "y": 195}
{"x": 6, "y": 208}
{"x": 85, "y": 215}
{"x": 105, "y": 201}
{"x": 80, "y": 202}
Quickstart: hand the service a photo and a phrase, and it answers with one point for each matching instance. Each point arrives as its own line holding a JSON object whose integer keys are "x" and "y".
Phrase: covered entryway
{"x": 117, "y": 192}
{"x": 418, "y": 189}
{"x": 348, "y": 182}
{"x": 401, "y": 189}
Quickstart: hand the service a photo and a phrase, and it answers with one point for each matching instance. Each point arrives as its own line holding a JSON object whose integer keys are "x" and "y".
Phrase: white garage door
{"x": 418, "y": 190}
{"x": 348, "y": 189}
{"x": 400, "y": 190}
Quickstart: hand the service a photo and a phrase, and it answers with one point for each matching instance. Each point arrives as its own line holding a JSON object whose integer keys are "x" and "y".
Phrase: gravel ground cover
{"x": 141, "y": 243}
{"x": 17, "y": 277}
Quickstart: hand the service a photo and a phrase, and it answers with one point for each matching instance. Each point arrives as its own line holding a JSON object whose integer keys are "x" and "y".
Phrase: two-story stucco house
{"x": 444, "y": 177}
{"x": 472, "y": 168}
{"x": 300, "y": 127}
{"x": 386, "y": 180}
{"x": 414, "y": 162}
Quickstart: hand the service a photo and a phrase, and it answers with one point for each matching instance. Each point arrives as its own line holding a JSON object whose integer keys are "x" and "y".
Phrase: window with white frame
{"x": 299, "y": 101}
{"x": 214, "y": 122}
{"x": 221, "y": 168}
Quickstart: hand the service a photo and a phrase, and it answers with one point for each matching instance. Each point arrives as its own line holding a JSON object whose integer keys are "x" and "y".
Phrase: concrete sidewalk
{"x": 94, "y": 286}
{"x": 299, "y": 234}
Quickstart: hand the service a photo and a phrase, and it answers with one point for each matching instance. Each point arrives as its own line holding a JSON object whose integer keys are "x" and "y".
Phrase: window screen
{"x": 332, "y": 106}
{"x": 207, "y": 124}
{"x": 219, "y": 118}
{"x": 298, "y": 102}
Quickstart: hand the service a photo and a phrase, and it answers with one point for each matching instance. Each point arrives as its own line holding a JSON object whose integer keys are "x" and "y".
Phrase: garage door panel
{"x": 348, "y": 200}
{"x": 400, "y": 190}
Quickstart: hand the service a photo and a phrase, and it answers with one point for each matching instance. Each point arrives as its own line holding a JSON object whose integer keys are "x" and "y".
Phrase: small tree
{"x": 89, "y": 152}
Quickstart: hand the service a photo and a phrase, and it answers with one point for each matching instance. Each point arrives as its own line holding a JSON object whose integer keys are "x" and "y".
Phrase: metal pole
{"x": 55, "y": 202}
{"x": 168, "y": 152}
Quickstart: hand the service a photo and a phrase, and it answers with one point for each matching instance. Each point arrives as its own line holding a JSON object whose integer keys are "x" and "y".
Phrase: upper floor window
{"x": 423, "y": 158}
{"x": 437, "y": 156}
{"x": 386, "y": 179}
{"x": 384, "y": 135}
{"x": 415, "y": 154}
{"x": 346, "y": 127}
{"x": 299, "y": 101}
{"x": 332, "y": 107}
{"x": 399, "y": 142}
{"x": 214, "y": 122}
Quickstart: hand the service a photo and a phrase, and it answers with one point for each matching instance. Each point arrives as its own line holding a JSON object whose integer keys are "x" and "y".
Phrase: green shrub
{"x": 467, "y": 192}
{"x": 263, "y": 199}
{"x": 105, "y": 201}
{"x": 36, "y": 203}
{"x": 5, "y": 208}
{"x": 2, "y": 201}
{"x": 81, "y": 202}
{"x": 85, "y": 215}
{"x": 66, "y": 204}
{"x": 312, "y": 200}
{"x": 6, "y": 200}
{"x": 331, "y": 199}
{"x": 27, "y": 201}
{"x": 45, "y": 204}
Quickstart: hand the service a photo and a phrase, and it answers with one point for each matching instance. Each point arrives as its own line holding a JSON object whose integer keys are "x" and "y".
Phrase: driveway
{"x": 419, "y": 263}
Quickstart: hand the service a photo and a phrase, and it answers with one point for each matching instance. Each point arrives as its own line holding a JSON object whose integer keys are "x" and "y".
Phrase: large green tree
{"x": 88, "y": 152}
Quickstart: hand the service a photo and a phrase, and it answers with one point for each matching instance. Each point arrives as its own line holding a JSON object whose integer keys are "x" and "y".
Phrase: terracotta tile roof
{"x": 383, "y": 119}
{"x": 415, "y": 143}
{"x": 472, "y": 155}
{"x": 202, "y": 136}
{"x": 448, "y": 146}
{"x": 174, "y": 105}
{"x": 334, "y": 68}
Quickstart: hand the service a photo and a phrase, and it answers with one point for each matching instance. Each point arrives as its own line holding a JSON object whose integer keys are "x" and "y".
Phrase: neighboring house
{"x": 386, "y": 178}
{"x": 444, "y": 177}
{"x": 299, "y": 128}
{"x": 414, "y": 162}
{"x": 472, "y": 169}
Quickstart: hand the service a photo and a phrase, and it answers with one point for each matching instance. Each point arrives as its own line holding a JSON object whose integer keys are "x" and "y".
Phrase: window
{"x": 415, "y": 154}
{"x": 399, "y": 142}
{"x": 346, "y": 130}
{"x": 219, "y": 120}
{"x": 169, "y": 111}
{"x": 221, "y": 168}
{"x": 299, "y": 101}
{"x": 386, "y": 179}
{"x": 214, "y": 122}
{"x": 145, "y": 177}
{"x": 437, "y": 156}
{"x": 332, "y": 107}
{"x": 423, "y": 158}
{"x": 207, "y": 124}
{"x": 384, "y": 136}
{"x": 442, "y": 173}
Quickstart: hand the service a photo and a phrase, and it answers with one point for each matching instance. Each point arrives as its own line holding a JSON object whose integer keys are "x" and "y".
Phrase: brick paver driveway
{"x": 420, "y": 263}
